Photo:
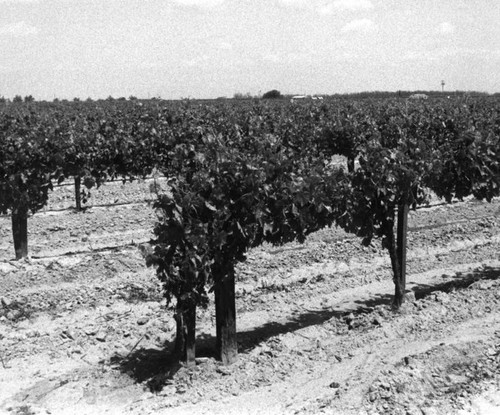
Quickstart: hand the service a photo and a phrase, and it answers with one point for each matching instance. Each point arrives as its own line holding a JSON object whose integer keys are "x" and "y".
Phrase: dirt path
{"x": 87, "y": 333}
{"x": 306, "y": 368}
{"x": 315, "y": 391}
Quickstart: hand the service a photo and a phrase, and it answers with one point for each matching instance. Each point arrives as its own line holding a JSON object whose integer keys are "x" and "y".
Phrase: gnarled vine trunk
{"x": 396, "y": 267}
{"x": 397, "y": 252}
{"x": 185, "y": 339}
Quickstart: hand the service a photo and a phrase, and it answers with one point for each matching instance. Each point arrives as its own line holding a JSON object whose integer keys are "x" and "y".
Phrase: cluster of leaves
{"x": 254, "y": 172}
{"x": 265, "y": 176}
{"x": 345, "y": 131}
{"x": 467, "y": 160}
{"x": 44, "y": 143}
{"x": 402, "y": 149}
{"x": 28, "y": 160}
{"x": 237, "y": 191}
{"x": 406, "y": 149}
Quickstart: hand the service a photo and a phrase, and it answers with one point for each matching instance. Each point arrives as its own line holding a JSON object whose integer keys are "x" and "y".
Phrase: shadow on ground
{"x": 158, "y": 366}
{"x": 458, "y": 281}
{"x": 143, "y": 364}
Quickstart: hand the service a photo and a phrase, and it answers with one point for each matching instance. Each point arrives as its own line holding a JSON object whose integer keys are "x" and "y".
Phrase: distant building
{"x": 418, "y": 96}
{"x": 298, "y": 97}
{"x": 305, "y": 97}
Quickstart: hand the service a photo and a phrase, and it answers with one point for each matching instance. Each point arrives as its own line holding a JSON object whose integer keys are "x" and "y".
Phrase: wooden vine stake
{"x": 20, "y": 231}
{"x": 78, "y": 194}
{"x": 225, "y": 315}
{"x": 402, "y": 229}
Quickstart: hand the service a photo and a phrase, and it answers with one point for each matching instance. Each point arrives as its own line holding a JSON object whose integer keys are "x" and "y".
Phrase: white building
{"x": 305, "y": 97}
{"x": 418, "y": 96}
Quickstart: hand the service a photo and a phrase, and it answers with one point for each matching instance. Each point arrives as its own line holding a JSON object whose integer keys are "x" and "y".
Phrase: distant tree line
{"x": 275, "y": 94}
{"x": 17, "y": 98}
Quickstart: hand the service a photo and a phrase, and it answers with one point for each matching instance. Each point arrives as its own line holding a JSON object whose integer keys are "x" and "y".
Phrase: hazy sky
{"x": 211, "y": 48}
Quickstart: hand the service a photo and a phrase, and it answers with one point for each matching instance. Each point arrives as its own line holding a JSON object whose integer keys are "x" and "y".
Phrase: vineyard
{"x": 265, "y": 257}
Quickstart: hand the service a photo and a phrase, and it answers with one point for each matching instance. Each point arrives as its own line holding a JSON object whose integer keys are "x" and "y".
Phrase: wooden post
{"x": 78, "y": 195}
{"x": 225, "y": 316}
{"x": 20, "y": 231}
{"x": 401, "y": 243}
{"x": 190, "y": 319}
{"x": 350, "y": 164}
{"x": 180, "y": 338}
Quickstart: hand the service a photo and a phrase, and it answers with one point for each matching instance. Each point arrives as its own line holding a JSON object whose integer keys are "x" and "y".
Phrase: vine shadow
{"x": 144, "y": 364}
{"x": 157, "y": 366}
{"x": 460, "y": 281}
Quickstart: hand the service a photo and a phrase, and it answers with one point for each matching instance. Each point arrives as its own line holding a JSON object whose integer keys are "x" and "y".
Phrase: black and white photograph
{"x": 249, "y": 207}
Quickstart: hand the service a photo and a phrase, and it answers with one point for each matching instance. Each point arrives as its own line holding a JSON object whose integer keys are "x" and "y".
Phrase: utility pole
{"x": 442, "y": 86}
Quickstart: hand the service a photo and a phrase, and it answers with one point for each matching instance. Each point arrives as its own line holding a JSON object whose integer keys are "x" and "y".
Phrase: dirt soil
{"x": 84, "y": 328}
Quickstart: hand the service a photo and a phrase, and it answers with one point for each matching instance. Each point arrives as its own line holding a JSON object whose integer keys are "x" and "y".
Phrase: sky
{"x": 211, "y": 48}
